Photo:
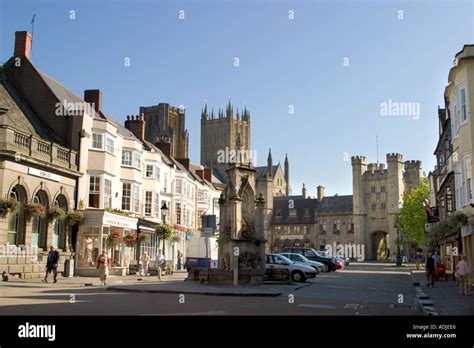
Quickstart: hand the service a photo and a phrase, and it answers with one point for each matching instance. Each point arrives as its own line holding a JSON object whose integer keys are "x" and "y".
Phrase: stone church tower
{"x": 222, "y": 133}
{"x": 377, "y": 198}
{"x": 166, "y": 122}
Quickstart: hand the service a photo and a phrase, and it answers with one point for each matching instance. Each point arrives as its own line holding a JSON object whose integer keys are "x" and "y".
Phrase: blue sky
{"x": 283, "y": 62}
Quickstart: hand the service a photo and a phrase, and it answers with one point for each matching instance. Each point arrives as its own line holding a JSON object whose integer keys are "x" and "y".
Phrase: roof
{"x": 262, "y": 171}
{"x": 306, "y": 211}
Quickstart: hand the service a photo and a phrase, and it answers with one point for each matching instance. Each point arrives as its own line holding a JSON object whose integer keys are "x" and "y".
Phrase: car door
{"x": 279, "y": 262}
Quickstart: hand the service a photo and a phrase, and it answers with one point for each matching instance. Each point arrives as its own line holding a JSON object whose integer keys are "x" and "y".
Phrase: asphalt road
{"x": 359, "y": 290}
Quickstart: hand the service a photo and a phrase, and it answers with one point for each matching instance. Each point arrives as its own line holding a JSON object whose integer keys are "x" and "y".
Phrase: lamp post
{"x": 164, "y": 213}
{"x": 399, "y": 255}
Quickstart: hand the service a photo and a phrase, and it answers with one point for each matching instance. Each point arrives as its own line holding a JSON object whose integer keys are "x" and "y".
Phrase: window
{"x": 107, "y": 194}
{"x": 126, "y": 195}
{"x": 382, "y": 188}
{"x": 178, "y": 213}
{"x": 148, "y": 202}
{"x": 372, "y": 189}
{"x": 136, "y": 199}
{"x": 350, "y": 226}
{"x": 336, "y": 228}
{"x": 165, "y": 183}
{"x": 382, "y": 206}
{"x": 305, "y": 229}
{"x": 278, "y": 213}
{"x": 306, "y": 212}
{"x": 110, "y": 145}
{"x": 149, "y": 171}
{"x": 97, "y": 141}
{"x": 157, "y": 205}
{"x": 185, "y": 191}
{"x": 126, "y": 157}
{"x": 137, "y": 160}
{"x": 157, "y": 173}
{"x": 178, "y": 186}
{"x": 292, "y": 212}
{"x": 462, "y": 104}
{"x": 322, "y": 226}
{"x": 374, "y": 206}
{"x": 94, "y": 191}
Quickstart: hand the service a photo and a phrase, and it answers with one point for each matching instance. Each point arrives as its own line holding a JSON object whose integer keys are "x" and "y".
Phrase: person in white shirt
{"x": 462, "y": 269}
{"x": 159, "y": 263}
{"x": 145, "y": 262}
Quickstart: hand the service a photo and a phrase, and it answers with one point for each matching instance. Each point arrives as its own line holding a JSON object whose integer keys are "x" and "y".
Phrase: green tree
{"x": 412, "y": 217}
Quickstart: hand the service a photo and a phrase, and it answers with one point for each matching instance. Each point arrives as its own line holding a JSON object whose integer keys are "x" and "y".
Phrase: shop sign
{"x": 43, "y": 174}
{"x": 117, "y": 222}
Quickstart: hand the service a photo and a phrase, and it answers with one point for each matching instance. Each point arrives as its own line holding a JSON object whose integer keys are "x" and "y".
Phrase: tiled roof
{"x": 336, "y": 204}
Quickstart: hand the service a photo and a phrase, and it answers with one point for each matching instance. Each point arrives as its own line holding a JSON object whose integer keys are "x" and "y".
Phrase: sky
{"x": 315, "y": 75}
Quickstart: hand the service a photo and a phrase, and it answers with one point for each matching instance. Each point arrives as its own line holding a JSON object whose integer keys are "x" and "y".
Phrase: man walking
{"x": 430, "y": 270}
{"x": 462, "y": 269}
{"x": 52, "y": 264}
{"x": 437, "y": 259}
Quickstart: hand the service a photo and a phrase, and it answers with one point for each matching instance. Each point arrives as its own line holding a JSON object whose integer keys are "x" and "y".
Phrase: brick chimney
{"x": 165, "y": 147}
{"x": 184, "y": 162}
{"x": 22, "y": 44}
{"x": 208, "y": 174}
{"x": 136, "y": 125}
{"x": 200, "y": 173}
{"x": 94, "y": 97}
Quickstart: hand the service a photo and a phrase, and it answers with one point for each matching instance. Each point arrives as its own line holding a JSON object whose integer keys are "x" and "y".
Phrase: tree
{"x": 412, "y": 217}
{"x": 164, "y": 232}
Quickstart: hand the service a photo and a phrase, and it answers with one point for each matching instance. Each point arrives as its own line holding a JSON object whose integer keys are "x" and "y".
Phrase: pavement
{"x": 444, "y": 296}
{"x": 361, "y": 289}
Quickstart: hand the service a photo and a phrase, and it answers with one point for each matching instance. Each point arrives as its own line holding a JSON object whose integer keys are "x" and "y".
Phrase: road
{"x": 365, "y": 289}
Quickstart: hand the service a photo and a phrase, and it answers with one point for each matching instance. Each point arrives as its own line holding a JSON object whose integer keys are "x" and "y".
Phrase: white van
{"x": 196, "y": 254}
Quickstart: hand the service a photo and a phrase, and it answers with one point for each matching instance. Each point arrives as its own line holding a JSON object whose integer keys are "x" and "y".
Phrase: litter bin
{"x": 69, "y": 268}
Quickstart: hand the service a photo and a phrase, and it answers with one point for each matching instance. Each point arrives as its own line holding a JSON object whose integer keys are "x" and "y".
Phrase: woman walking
{"x": 103, "y": 265}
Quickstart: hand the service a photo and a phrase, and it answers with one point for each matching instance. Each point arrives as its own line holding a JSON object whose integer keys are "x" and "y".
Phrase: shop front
{"x": 104, "y": 230}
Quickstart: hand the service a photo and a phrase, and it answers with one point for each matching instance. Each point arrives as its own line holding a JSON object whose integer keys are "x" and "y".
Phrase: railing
{"x": 63, "y": 155}
{"x": 33, "y": 146}
{"x": 44, "y": 148}
{"x": 21, "y": 140}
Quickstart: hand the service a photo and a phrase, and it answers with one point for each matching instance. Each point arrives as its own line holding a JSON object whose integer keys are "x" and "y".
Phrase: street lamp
{"x": 399, "y": 256}
{"x": 164, "y": 213}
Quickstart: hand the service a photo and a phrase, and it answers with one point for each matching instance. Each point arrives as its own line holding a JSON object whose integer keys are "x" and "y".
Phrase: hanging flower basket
{"x": 176, "y": 239}
{"x": 130, "y": 239}
{"x": 74, "y": 217}
{"x": 144, "y": 238}
{"x": 55, "y": 213}
{"x": 164, "y": 231}
{"x": 8, "y": 206}
{"x": 34, "y": 209}
{"x": 114, "y": 238}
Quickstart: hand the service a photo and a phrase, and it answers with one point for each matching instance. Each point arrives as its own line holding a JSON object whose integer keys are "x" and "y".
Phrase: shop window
{"x": 39, "y": 226}
{"x": 87, "y": 248}
{"x": 16, "y": 231}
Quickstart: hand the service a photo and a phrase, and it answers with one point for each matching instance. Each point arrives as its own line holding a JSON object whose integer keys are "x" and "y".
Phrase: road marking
{"x": 352, "y": 305}
{"x": 308, "y": 305}
{"x": 373, "y": 272}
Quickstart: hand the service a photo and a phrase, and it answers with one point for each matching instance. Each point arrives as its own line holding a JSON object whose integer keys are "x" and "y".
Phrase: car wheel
{"x": 298, "y": 276}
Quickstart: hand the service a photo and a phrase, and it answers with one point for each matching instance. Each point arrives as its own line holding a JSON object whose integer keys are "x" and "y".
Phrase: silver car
{"x": 298, "y": 272}
{"x": 320, "y": 267}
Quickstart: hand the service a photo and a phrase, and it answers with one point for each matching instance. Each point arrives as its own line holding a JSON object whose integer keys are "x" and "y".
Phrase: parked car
{"x": 346, "y": 260}
{"x": 320, "y": 267}
{"x": 298, "y": 272}
{"x": 313, "y": 255}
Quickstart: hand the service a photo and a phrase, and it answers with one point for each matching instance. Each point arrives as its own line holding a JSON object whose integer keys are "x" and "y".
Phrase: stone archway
{"x": 379, "y": 248}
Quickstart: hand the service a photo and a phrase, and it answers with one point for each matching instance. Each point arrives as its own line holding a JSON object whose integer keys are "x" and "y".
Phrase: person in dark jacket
{"x": 430, "y": 270}
{"x": 52, "y": 264}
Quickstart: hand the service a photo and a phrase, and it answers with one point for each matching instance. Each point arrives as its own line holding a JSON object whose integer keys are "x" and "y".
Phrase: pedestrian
{"x": 462, "y": 270}
{"x": 180, "y": 260}
{"x": 52, "y": 264}
{"x": 437, "y": 259}
{"x": 160, "y": 260}
{"x": 417, "y": 259}
{"x": 145, "y": 262}
{"x": 430, "y": 270}
{"x": 103, "y": 265}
